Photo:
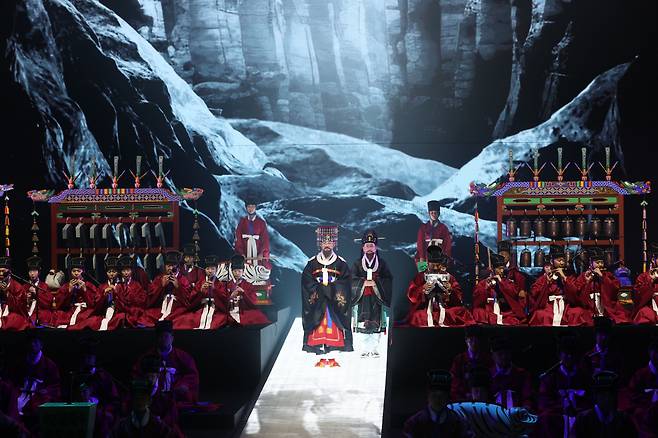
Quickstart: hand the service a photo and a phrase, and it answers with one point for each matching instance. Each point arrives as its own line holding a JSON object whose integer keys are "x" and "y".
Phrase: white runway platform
{"x": 299, "y": 400}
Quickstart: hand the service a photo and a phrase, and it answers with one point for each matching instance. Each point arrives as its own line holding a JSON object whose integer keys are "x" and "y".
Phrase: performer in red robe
{"x": 645, "y": 310}
{"x": 37, "y": 379}
{"x": 193, "y": 273}
{"x": 511, "y": 386}
{"x": 563, "y": 391}
{"x": 496, "y": 299}
{"x": 179, "y": 372}
{"x": 512, "y": 272}
{"x": 597, "y": 290}
{"x": 433, "y": 232}
{"x": 93, "y": 384}
{"x": 436, "y": 419}
{"x": 602, "y": 357}
{"x": 251, "y": 237}
{"x": 473, "y": 357}
{"x": 33, "y": 289}
{"x": 372, "y": 289}
{"x": 79, "y": 296}
{"x": 108, "y": 312}
{"x": 163, "y": 399}
{"x": 240, "y": 297}
{"x": 604, "y": 420}
{"x": 168, "y": 295}
{"x": 208, "y": 305}
{"x": 435, "y": 295}
{"x": 553, "y": 298}
{"x": 132, "y": 296}
{"x": 643, "y": 389}
{"x": 138, "y": 273}
{"x": 13, "y": 302}
{"x": 326, "y": 298}
{"x": 140, "y": 422}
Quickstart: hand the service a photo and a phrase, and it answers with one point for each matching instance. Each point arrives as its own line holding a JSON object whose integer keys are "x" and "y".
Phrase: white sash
{"x": 252, "y": 249}
{"x": 109, "y": 313}
{"x": 4, "y": 311}
{"x": 558, "y": 308}
{"x": 496, "y": 310}
{"x": 235, "y": 310}
{"x": 654, "y": 306}
{"x": 206, "y": 316}
{"x": 33, "y": 306}
{"x": 78, "y": 308}
{"x": 430, "y": 315}
{"x": 167, "y": 304}
{"x": 596, "y": 297}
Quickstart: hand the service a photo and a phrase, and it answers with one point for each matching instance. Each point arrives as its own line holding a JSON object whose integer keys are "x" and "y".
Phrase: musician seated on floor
{"x": 496, "y": 300}
{"x": 435, "y": 295}
{"x": 646, "y": 301}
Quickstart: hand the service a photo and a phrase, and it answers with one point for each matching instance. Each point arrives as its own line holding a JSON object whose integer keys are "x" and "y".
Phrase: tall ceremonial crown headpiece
{"x": 327, "y": 233}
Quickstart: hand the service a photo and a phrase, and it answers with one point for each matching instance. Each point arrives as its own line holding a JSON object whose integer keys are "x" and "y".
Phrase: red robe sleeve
{"x": 539, "y": 293}
{"x": 645, "y": 288}
{"x": 421, "y": 245}
{"x": 511, "y": 294}
{"x": 156, "y": 291}
{"x": 415, "y": 292}
{"x": 241, "y": 229}
{"x": 480, "y": 295}
{"x": 445, "y": 235}
{"x": 16, "y": 298}
{"x": 456, "y": 294}
{"x": 133, "y": 295}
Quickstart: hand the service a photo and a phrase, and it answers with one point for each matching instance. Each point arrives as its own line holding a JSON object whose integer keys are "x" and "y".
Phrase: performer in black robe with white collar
{"x": 372, "y": 286}
{"x": 326, "y": 299}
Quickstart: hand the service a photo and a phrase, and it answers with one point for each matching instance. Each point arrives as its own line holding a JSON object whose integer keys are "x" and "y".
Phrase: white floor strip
{"x": 299, "y": 400}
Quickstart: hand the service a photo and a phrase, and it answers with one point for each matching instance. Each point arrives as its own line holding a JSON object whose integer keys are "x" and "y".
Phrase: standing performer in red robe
{"x": 473, "y": 357}
{"x": 179, "y": 373}
{"x": 432, "y": 232}
{"x": 372, "y": 288}
{"x": 132, "y": 296}
{"x": 79, "y": 296}
{"x": 33, "y": 289}
{"x": 168, "y": 295}
{"x": 563, "y": 391}
{"x": 496, "y": 300}
{"x": 37, "y": 380}
{"x": 511, "y": 386}
{"x": 193, "y": 273}
{"x": 597, "y": 290}
{"x": 251, "y": 237}
{"x": 13, "y": 302}
{"x": 645, "y": 310}
{"x": 553, "y": 299}
{"x": 240, "y": 296}
{"x": 326, "y": 297}
{"x": 604, "y": 420}
{"x": 643, "y": 389}
{"x": 435, "y": 295}
{"x": 208, "y": 305}
{"x": 108, "y": 313}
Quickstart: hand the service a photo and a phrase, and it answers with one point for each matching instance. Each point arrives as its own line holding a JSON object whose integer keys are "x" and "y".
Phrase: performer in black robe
{"x": 371, "y": 291}
{"x": 326, "y": 299}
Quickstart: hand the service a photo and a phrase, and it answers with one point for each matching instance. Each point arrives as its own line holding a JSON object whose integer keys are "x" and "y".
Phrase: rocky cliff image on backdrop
{"x": 353, "y": 112}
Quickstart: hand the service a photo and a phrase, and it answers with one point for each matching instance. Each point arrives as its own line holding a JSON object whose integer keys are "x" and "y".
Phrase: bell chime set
{"x": 576, "y": 214}
{"x": 95, "y": 223}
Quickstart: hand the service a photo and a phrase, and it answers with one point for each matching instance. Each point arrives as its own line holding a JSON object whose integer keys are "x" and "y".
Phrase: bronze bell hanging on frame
{"x": 540, "y": 226}
{"x": 609, "y": 227}
{"x": 540, "y": 258}
{"x": 553, "y": 227}
{"x": 511, "y": 227}
{"x": 567, "y": 226}
{"x": 525, "y": 227}
{"x": 525, "y": 258}
{"x": 595, "y": 227}
{"x": 581, "y": 227}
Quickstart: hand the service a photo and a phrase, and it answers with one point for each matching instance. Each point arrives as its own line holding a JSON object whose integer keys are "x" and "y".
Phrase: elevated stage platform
{"x": 232, "y": 362}
{"x": 413, "y": 351}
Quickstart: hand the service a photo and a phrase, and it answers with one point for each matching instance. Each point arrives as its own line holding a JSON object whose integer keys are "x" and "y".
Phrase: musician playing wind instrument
{"x": 646, "y": 285}
{"x": 435, "y": 295}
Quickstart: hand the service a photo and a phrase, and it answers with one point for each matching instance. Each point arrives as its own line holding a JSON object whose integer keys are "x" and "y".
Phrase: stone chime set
{"x": 576, "y": 214}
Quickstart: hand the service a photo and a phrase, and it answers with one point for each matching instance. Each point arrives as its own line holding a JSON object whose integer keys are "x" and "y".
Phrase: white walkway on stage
{"x": 299, "y": 400}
